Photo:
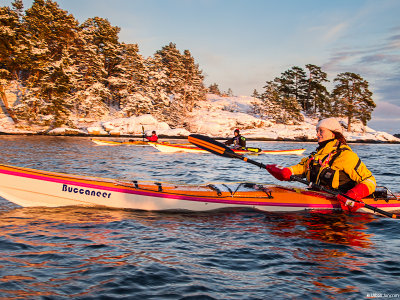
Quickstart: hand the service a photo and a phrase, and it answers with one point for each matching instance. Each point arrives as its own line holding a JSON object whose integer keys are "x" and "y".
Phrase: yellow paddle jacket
{"x": 335, "y": 166}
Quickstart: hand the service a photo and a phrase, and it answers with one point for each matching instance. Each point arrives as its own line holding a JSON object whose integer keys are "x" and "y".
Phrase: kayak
{"x": 192, "y": 149}
{"x": 30, "y": 187}
{"x": 116, "y": 143}
{"x": 130, "y": 142}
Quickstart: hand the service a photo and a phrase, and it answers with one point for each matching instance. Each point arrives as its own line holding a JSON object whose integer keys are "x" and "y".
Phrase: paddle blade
{"x": 255, "y": 150}
{"x": 211, "y": 145}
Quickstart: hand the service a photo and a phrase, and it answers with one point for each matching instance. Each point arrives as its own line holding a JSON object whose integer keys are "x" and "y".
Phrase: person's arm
{"x": 229, "y": 142}
{"x": 357, "y": 170}
{"x": 282, "y": 173}
{"x": 359, "y": 173}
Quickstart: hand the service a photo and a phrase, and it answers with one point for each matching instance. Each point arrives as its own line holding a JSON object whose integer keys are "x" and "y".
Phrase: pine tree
{"x": 255, "y": 94}
{"x": 194, "y": 89}
{"x": 255, "y": 107}
{"x": 83, "y": 69}
{"x": 270, "y": 101}
{"x": 52, "y": 31}
{"x": 278, "y": 105}
{"x": 104, "y": 37}
{"x": 214, "y": 89}
{"x": 12, "y": 51}
{"x": 184, "y": 82}
{"x": 174, "y": 66}
{"x": 293, "y": 84}
{"x": 317, "y": 94}
{"x": 157, "y": 85}
{"x": 352, "y": 97}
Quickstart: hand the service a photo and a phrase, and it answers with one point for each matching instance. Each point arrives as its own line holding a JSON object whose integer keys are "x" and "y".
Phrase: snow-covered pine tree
{"x": 317, "y": 94}
{"x": 175, "y": 69}
{"x": 11, "y": 45}
{"x": 64, "y": 67}
{"x": 193, "y": 89}
{"x": 352, "y": 98}
{"x": 130, "y": 86}
{"x": 184, "y": 83}
{"x": 51, "y": 32}
{"x": 278, "y": 105}
{"x": 104, "y": 37}
{"x": 214, "y": 89}
{"x": 89, "y": 93}
{"x": 294, "y": 85}
{"x": 270, "y": 102}
{"x": 156, "y": 85}
{"x": 255, "y": 104}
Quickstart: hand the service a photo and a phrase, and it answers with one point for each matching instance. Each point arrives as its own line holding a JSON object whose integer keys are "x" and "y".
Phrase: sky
{"x": 241, "y": 44}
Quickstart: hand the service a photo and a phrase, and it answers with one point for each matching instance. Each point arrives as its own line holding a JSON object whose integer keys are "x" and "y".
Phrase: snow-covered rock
{"x": 96, "y": 130}
{"x": 66, "y": 131}
{"x": 134, "y": 125}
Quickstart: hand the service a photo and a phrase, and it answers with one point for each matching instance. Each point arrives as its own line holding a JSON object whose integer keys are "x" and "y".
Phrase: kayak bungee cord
{"x": 218, "y": 148}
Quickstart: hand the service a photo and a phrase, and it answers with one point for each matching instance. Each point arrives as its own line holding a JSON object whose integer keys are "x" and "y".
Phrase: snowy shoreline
{"x": 216, "y": 117}
{"x": 180, "y": 137}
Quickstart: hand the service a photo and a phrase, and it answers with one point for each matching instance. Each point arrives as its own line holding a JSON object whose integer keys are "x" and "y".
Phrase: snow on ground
{"x": 215, "y": 117}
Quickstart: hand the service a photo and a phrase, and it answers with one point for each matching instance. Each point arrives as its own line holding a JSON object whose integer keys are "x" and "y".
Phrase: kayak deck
{"x": 30, "y": 187}
{"x": 130, "y": 142}
{"x": 116, "y": 143}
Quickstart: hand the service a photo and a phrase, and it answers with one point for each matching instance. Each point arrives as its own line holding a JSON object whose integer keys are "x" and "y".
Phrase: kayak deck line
{"x": 30, "y": 187}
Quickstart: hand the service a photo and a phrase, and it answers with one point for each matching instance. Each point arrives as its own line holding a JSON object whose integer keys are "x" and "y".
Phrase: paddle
{"x": 211, "y": 145}
{"x": 143, "y": 133}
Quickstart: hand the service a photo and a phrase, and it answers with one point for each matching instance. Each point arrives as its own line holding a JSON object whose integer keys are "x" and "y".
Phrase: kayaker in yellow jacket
{"x": 333, "y": 165}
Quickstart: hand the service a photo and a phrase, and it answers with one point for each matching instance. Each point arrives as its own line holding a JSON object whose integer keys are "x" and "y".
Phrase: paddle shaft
{"x": 336, "y": 193}
{"x": 329, "y": 191}
{"x": 218, "y": 148}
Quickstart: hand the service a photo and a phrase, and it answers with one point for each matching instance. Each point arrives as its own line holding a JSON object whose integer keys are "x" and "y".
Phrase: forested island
{"x": 55, "y": 71}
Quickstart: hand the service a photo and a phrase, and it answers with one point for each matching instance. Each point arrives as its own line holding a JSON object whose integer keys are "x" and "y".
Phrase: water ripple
{"x": 87, "y": 253}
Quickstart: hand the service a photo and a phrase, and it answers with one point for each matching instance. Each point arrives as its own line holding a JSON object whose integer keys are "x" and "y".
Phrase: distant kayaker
{"x": 238, "y": 140}
{"x": 333, "y": 165}
{"x": 153, "y": 137}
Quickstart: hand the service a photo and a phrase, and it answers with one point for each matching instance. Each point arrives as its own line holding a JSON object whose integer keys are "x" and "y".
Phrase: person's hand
{"x": 357, "y": 193}
{"x": 279, "y": 172}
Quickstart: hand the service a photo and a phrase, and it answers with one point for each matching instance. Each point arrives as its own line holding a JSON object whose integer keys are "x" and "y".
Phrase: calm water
{"x": 80, "y": 253}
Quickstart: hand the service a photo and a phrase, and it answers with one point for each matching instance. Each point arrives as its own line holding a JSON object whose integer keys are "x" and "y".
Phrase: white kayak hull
{"x": 30, "y": 187}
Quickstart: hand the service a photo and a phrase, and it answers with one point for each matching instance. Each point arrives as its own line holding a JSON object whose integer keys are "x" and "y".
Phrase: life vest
{"x": 153, "y": 138}
{"x": 238, "y": 142}
{"x": 321, "y": 172}
{"x": 335, "y": 166}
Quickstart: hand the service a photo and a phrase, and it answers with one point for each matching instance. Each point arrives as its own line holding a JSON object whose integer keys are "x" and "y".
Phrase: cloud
{"x": 386, "y": 117}
{"x": 379, "y": 64}
{"x": 387, "y": 111}
{"x": 334, "y": 32}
